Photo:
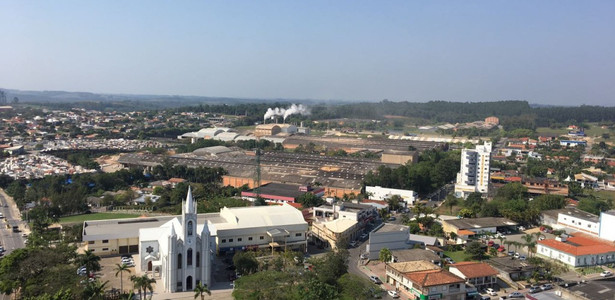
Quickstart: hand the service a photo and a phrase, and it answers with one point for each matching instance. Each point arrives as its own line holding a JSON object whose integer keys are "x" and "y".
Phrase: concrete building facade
{"x": 380, "y": 193}
{"x": 388, "y": 236}
{"x": 474, "y": 173}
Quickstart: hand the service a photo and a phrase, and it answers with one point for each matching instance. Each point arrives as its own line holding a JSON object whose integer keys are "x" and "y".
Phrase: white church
{"x": 179, "y": 252}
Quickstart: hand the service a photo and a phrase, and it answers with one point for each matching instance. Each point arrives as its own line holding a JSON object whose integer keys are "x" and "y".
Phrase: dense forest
{"x": 512, "y": 114}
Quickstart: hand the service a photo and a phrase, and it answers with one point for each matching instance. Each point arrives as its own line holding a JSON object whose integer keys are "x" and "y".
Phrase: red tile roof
{"x": 472, "y": 269}
{"x": 580, "y": 244}
{"x": 433, "y": 278}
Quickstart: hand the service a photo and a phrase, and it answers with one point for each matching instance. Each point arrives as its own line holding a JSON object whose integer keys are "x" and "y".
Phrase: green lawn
{"x": 457, "y": 256}
{"x": 589, "y": 270}
{"x": 96, "y": 216}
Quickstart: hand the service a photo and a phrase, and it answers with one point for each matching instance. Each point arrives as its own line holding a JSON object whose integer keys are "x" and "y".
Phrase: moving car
{"x": 606, "y": 273}
{"x": 375, "y": 279}
{"x": 491, "y": 292}
{"x": 393, "y": 294}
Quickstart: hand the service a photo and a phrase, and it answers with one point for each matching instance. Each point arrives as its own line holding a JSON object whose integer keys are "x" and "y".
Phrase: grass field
{"x": 96, "y": 216}
{"x": 457, "y": 256}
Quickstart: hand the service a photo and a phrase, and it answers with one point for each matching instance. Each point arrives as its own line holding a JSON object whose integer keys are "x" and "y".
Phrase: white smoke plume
{"x": 285, "y": 112}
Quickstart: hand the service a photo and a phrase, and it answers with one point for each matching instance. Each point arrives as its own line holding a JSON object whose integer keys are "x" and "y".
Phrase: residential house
{"x": 479, "y": 274}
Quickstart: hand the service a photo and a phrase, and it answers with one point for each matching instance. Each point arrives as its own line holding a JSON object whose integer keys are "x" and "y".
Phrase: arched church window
{"x": 189, "y": 258}
{"x": 198, "y": 259}
{"x": 189, "y": 227}
{"x": 179, "y": 261}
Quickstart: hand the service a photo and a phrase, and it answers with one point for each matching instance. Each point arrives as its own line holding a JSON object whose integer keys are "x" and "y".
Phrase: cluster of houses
{"x": 38, "y": 166}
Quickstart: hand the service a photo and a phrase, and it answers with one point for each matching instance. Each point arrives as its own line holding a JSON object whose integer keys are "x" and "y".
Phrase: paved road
{"x": 8, "y": 239}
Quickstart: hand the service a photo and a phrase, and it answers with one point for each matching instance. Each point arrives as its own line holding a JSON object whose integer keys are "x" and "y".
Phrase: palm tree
{"x": 385, "y": 255}
{"x": 508, "y": 243}
{"x": 137, "y": 282}
{"x": 529, "y": 242}
{"x": 501, "y": 239}
{"x": 95, "y": 290}
{"x": 531, "y": 247}
{"x": 143, "y": 283}
{"x": 201, "y": 289}
{"x": 90, "y": 260}
{"x": 120, "y": 269}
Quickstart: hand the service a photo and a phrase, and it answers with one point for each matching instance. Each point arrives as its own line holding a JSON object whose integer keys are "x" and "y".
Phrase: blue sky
{"x": 548, "y": 52}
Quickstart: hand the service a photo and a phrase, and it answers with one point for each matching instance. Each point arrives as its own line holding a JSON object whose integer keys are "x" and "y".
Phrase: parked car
{"x": 354, "y": 244}
{"x": 484, "y": 298}
{"x": 606, "y": 274}
{"x": 541, "y": 238}
{"x": 534, "y": 289}
{"x": 511, "y": 253}
{"x": 393, "y": 294}
{"x": 516, "y": 255}
{"x": 364, "y": 236}
{"x": 491, "y": 292}
{"x": 522, "y": 257}
{"x": 515, "y": 295}
{"x": 375, "y": 279}
{"x": 546, "y": 286}
{"x": 490, "y": 243}
{"x": 501, "y": 249}
{"x": 392, "y": 219}
{"x": 1, "y": 249}
{"x": 364, "y": 256}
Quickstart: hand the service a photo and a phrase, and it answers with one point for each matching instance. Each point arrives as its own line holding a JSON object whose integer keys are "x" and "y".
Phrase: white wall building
{"x": 578, "y": 250}
{"x": 380, "y": 193}
{"x": 474, "y": 173}
{"x": 579, "y": 220}
{"x": 607, "y": 225}
{"x": 388, "y": 236}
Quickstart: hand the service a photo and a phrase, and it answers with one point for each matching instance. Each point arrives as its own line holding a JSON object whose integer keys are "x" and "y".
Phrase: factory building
{"x": 267, "y": 129}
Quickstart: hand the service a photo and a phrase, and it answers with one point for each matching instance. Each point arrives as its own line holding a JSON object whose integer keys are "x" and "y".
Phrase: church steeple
{"x": 189, "y": 207}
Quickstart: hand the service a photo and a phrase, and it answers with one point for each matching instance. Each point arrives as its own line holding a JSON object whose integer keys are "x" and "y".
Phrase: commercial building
{"x": 471, "y": 226}
{"x": 361, "y": 213}
{"x": 474, "y": 172}
{"x": 578, "y": 250}
{"x": 280, "y": 192}
{"x": 416, "y": 254}
{"x": 569, "y": 143}
{"x": 388, "y": 236}
{"x": 425, "y": 280}
{"x": 232, "y": 229}
{"x": 573, "y": 219}
{"x": 399, "y": 157}
{"x": 478, "y": 274}
{"x": 336, "y": 231}
{"x": 379, "y": 193}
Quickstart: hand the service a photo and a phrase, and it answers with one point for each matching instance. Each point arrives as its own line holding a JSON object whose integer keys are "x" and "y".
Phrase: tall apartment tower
{"x": 474, "y": 173}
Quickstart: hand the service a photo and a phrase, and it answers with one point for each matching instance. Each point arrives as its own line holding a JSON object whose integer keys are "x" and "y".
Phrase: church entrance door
{"x": 189, "y": 283}
{"x": 149, "y": 265}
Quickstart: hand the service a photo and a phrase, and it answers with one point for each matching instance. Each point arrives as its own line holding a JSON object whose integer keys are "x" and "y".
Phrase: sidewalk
{"x": 377, "y": 268}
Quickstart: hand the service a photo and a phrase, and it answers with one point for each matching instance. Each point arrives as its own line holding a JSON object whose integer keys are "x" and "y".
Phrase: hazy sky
{"x": 551, "y": 52}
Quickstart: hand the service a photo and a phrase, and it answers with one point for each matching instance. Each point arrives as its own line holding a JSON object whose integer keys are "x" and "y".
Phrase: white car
{"x": 515, "y": 295}
{"x": 606, "y": 273}
{"x": 393, "y": 294}
{"x": 491, "y": 292}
